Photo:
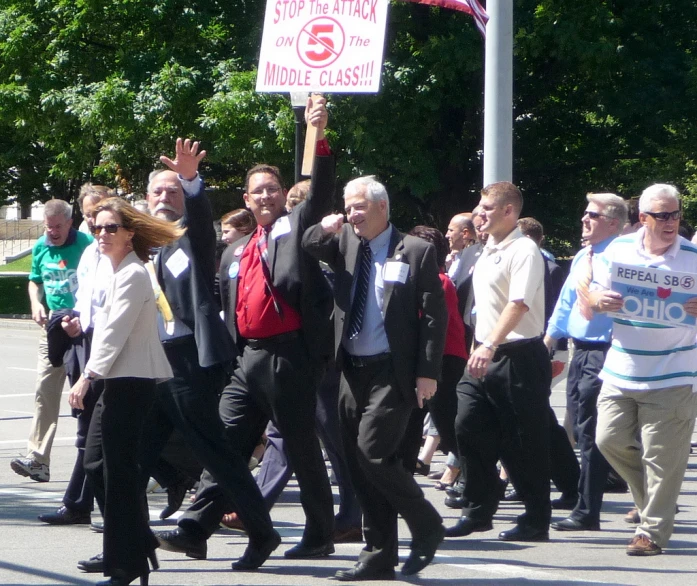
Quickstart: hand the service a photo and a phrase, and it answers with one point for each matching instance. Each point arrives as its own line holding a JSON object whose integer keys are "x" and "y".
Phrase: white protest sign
{"x": 322, "y": 45}
{"x": 653, "y": 295}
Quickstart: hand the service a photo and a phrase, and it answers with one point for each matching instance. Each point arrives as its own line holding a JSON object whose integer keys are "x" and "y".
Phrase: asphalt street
{"x": 34, "y": 553}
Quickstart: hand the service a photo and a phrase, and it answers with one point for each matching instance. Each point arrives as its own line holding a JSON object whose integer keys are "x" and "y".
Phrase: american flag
{"x": 471, "y": 7}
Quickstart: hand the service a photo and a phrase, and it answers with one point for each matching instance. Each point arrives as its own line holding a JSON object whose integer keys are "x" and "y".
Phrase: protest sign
{"x": 322, "y": 45}
{"x": 653, "y": 295}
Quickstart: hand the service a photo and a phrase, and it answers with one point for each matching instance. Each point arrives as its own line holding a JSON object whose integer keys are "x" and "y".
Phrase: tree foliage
{"x": 604, "y": 92}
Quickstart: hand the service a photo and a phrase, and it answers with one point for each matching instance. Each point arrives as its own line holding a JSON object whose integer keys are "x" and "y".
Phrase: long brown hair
{"x": 148, "y": 232}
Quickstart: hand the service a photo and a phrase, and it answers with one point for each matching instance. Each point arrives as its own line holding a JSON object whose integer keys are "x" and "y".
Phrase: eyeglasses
{"x": 109, "y": 228}
{"x": 665, "y": 216}
{"x": 594, "y": 215}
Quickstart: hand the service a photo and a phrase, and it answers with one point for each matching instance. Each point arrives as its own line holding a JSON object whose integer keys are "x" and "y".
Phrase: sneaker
{"x": 642, "y": 545}
{"x": 31, "y": 468}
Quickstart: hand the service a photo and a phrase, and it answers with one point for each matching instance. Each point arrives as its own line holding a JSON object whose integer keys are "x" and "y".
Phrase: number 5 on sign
{"x": 322, "y": 45}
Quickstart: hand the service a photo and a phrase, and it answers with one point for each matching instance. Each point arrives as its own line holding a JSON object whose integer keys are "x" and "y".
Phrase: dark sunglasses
{"x": 665, "y": 216}
{"x": 110, "y": 229}
{"x": 593, "y": 215}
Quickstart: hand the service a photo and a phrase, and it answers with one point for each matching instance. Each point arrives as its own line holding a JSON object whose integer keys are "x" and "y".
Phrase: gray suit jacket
{"x": 414, "y": 311}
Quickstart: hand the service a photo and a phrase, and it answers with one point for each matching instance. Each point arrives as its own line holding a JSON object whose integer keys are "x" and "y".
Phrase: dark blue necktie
{"x": 360, "y": 294}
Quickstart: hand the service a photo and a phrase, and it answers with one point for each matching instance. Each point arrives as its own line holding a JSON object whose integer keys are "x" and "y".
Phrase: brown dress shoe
{"x": 642, "y": 545}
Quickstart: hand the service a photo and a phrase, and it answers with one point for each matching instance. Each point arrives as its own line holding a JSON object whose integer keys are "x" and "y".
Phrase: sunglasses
{"x": 109, "y": 228}
{"x": 593, "y": 215}
{"x": 665, "y": 216}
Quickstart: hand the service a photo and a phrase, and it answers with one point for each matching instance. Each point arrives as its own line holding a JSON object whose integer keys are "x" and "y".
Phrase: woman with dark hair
{"x": 128, "y": 355}
{"x": 443, "y": 405}
{"x": 236, "y": 224}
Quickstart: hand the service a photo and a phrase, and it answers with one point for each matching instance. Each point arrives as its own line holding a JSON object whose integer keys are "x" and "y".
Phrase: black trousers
{"x": 564, "y": 468}
{"x": 188, "y": 402}
{"x": 442, "y": 407}
{"x": 274, "y": 382}
{"x": 505, "y": 416}
{"x": 582, "y": 389}
{"x": 111, "y": 462}
{"x": 374, "y": 416}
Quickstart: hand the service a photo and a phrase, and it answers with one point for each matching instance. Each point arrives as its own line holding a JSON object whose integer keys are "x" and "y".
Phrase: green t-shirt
{"x": 55, "y": 267}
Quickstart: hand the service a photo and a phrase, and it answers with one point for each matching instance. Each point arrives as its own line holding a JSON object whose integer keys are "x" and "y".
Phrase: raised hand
{"x": 186, "y": 159}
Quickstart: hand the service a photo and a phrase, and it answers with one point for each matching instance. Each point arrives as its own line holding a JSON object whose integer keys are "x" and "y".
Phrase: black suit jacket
{"x": 190, "y": 295}
{"x": 296, "y": 276}
{"x": 465, "y": 293}
{"x": 415, "y": 313}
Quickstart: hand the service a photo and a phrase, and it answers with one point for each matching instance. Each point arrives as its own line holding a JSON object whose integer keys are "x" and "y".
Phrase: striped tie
{"x": 360, "y": 294}
{"x": 264, "y": 256}
{"x": 583, "y": 287}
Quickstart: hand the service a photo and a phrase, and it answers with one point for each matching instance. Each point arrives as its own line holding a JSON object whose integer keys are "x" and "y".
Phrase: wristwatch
{"x": 89, "y": 377}
{"x": 489, "y": 345}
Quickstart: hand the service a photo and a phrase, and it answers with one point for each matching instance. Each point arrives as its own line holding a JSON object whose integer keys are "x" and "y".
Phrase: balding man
{"x": 460, "y": 235}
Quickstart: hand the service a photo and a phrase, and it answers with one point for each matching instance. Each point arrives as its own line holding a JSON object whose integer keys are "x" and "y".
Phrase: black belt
{"x": 585, "y": 345}
{"x": 178, "y": 341}
{"x": 259, "y": 343}
{"x": 361, "y": 361}
{"x": 517, "y": 343}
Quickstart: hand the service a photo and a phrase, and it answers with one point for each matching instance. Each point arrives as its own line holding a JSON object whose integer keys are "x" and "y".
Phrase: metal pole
{"x": 299, "y": 112}
{"x": 498, "y": 93}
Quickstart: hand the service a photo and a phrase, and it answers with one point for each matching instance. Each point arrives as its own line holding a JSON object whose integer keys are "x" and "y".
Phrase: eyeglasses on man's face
{"x": 665, "y": 216}
{"x": 108, "y": 228}
{"x": 594, "y": 215}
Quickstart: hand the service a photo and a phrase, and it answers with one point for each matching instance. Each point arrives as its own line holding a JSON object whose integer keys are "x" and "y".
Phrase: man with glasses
{"x": 53, "y": 280}
{"x": 277, "y": 305}
{"x": 648, "y": 375}
{"x": 604, "y": 218}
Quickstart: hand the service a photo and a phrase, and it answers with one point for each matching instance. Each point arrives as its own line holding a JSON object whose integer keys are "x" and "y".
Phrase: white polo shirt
{"x": 647, "y": 356}
{"x": 512, "y": 270}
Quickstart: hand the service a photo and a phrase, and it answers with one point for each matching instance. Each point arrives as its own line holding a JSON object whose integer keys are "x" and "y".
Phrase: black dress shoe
{"x": 180, "y": 541}
{"x": 66, "y": 516}
{"x": 175, "y": 498}
{"x": 455, "y": 490}
{"x": 94, "y": 565}
{"x": 454, "y": 502}
{"x": 566, "y": 502}
{"x": 97, "y": 526}
{"x": 520, "y": 533}
{"x": 575, "y": 525}
{"x": 465, "y": 526}
{"x": 362, "y": 571}
{"x": 121, "y": 578}
{"x": 302, "y": 551}
{"x": 423, "y": 550}
{"x": 255, "y": 556}
{"x": 348, "y": 535}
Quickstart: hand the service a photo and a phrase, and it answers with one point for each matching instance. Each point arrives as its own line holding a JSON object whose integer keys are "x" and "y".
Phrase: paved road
{"x": 33, "y": 553}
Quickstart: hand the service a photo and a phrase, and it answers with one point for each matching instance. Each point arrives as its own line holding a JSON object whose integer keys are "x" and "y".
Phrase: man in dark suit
{"x": 199, "y": 350}
{"x": 390, "y": 322}
{"x": 277, "y": 305}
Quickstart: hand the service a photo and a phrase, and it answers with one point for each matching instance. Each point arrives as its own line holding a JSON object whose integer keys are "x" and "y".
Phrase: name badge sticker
{"x": 177, "y": 263}
{"x": 281, "y": 227}
{"x": 239, "y": 250}
{"x": 396, "y": 272}
{"x": 233, "y": 270}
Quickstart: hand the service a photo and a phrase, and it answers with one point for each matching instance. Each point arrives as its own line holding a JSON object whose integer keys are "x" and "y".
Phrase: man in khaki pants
{"x": 53, "y": 279}
{"x": 648, "y": 374}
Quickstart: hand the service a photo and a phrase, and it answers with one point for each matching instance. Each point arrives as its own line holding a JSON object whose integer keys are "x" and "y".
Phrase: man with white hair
{"x": 648, "y": 375}
{"x": 389, "y": 327}
{"x": 603, "y": 219}
{"x": 53, "y": 279}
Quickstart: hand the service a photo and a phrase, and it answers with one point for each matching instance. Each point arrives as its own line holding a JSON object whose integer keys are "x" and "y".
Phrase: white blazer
{"x": 126, "y": 342}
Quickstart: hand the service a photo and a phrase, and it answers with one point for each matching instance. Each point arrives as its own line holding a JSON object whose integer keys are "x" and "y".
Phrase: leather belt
{"x": 586, "y": 345}
{"x": 259, "y": 343}
{"x": 361, "y": 361}
{"x": 518, "y": 343}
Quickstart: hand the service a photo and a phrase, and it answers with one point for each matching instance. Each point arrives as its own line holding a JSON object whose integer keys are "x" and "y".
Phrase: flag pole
{"x": 498, "y": 92}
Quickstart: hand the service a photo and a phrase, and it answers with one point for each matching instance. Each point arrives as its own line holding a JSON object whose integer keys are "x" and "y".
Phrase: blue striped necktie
{"x": 360, "y": 294}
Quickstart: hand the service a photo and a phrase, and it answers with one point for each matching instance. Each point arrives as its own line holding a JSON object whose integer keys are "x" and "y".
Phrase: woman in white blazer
{"x": 128, "y": 355}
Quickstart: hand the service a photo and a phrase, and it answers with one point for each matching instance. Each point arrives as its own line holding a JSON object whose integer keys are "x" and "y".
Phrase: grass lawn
{"x": 14, "y": 298}
{"x": 21, "y": 265}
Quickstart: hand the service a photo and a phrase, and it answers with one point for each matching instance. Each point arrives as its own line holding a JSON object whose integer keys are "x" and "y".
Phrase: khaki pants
{"x": 49, "y": 388}
{"x": 654, "y": 468}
